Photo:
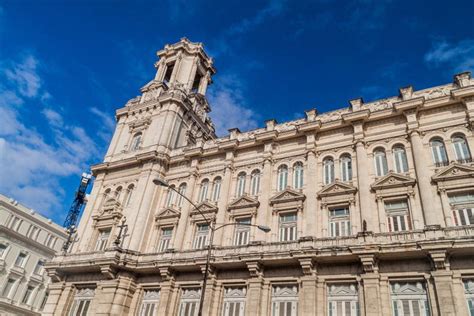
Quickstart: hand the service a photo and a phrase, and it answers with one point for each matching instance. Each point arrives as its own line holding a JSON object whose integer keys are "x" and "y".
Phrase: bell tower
{"x": 172, "y": 110}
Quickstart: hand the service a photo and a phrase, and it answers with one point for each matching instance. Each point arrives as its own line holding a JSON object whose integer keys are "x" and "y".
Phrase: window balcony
{"x": 464, "y": 161}
{"x": 441, "y": 164}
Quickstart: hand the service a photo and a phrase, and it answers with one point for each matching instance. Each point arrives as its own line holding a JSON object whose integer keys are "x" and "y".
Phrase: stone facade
{"x": 370, "y": 207}
{"x": 27, "y": 241}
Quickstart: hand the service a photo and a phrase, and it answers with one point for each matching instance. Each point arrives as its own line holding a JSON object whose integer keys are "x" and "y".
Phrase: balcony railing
{"x": 464, "y": 161}
{"x": 441, "y": 164}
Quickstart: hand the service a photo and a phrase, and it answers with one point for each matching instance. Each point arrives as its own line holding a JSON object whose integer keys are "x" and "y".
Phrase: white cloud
{"x": 459, "y": 55}
{"x": 107, "y": 124}
{"x": 54, "y": 118}
{"x": 274, "y": 8}
{"x": 228, "y": 107}
{"x": 24, "y": 76}
{"x": 33, "y": 165}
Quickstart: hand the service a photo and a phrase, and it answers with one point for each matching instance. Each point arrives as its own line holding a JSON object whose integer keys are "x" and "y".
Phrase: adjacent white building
{"x": 27, "y": 241}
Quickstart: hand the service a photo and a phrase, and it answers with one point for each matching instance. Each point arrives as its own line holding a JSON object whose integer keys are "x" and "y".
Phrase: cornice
{"x": 463, "y": 92}
{"x": 13, "y": 234}
{"x": 129, "y": 162}
{"x": 360, "y": 115}
{"x": 414, "y": 103}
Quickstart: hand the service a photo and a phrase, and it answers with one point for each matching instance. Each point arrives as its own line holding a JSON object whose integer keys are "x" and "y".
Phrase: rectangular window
{"x": 43, "y": 302}
{"x": 50, "y": 241}
{"x": 409, "y": 299}
{"x": 189, "y": 304}
{"x": 27, "y": 297}
{"x": 8, "y": 288}
{"x": 165, "y": 239}
{"x": 463, "y": 208}
{"x": 288, "y": 225}
{"x": 15, "y": 223}
{"x": 242, "y": 232}
{"x": 150, "y": 301}
{"x": 398, "y": 216}
{"x": 21, "y": 260}
{"x": 202, "y": 232}
{"x": 82, "y": 302}
{"x": 39, "y": 267}
{"x": 234, "y": 301}
{"x": 285, "y": 300}
{"x": 343, "y": 299}
{"x": 169, "y": 72}
{"x": 339, "y": 222}
{"x": 33, "y": 232}
{"x": 469, "y": 292}
{"x": 102, "y": 239}
{"x": 3, "y": 250}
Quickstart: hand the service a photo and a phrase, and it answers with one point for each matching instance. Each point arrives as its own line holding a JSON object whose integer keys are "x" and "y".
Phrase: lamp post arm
{"x": 192, "y": 203}
{"x": 234, "y": 224}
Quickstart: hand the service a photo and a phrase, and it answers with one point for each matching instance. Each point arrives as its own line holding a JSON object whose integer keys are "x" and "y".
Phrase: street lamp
{"x": 212, "y": 227}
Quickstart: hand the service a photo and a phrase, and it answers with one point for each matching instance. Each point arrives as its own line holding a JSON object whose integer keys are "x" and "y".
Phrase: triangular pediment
{"x": 393, "y": 180}
{"x": 454, "y": 171}
{"x": 168, "y": 212}
{"x": 244, "y": 201}
{"x": 205, "y": 207}
{"x": 287, "y": 195}
{"x": 337, "y": 188}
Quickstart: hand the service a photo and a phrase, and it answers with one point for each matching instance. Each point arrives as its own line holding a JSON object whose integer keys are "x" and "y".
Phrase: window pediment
{"x": 337, "y": 188}
{"x": 168, "y": 213}
{"x": 244, "y": 201}
{"x": 393, "y": 180}
{"x": 454, "y": 171}
{"x": 111, "y": 210}
{"x": 287, "y": 196}
{"x": 205, "y": 208}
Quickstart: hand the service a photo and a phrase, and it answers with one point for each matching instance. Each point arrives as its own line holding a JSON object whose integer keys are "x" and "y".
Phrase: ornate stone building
{"x": 27, "y": 241}
{"x": 370, "y": 207}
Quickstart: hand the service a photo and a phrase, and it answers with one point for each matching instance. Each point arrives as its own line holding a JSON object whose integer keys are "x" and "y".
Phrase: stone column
{"x": 167, "y": 287}
{"x": 264, "y": 213}
{"x": 185, "y": 209}
{"x": 320, "y": 297}
{"x": 209, "y": 298}
{"x": 459, "y": 295}
{"x": 224, "y": 199}
{"x": 123, "y": 295}
{"x": 310, "y": 181}
{"x": 416, "y": 212}
{"x": 382, "y": 216}
{"x": 54, "y": 304}
{"x": 371, "y": 281}
{"x": 447, "y": 212}
{"x": 138, "y": 220}
{"x": 355, "y": 220}
{"x": 307, "y": 297}
{"x": 104, "y": 297}
{"x": 443, "y": 282}
{"x": 386, "y": 304}
{"x": 364, "y": 186}
{"x": 255, "y": 289}
{"x": 423, "y": 178}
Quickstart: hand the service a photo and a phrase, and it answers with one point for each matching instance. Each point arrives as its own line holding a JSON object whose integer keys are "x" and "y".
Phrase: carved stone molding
{"x": 308, "y": 266}
{"x": 255, "y": 269}
{"x": 108, "y": 271}
{"x": 440, "y": 259}
{"x": 369, "y": 263}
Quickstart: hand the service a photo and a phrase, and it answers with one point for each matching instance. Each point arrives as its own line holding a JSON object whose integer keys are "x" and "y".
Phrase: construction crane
{"x": 75, "y": 210}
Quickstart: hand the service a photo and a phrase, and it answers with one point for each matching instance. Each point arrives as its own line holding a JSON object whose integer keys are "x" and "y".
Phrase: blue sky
{"x": 65, "y": 66}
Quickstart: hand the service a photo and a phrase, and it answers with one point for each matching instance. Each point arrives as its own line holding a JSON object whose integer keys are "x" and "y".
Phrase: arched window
{"x": 136, "y": 142}
{"x": 117, "y": 193}
{"x": 298, "y": 175}
{"x": 328, "y": 170}
{"x": 203, "y": 191}
{"x": 282, "y": 177}
{"x": 182, "y": 191}
{"x": 400, "y": 159}
{"x": 216, "y": 189}
{"x": 461, "y": 149}
{"x": 171, "y": 196}
{"x": 440, "y": 158}
{"x": 380, "y": 161}
{"x": 255, "y": 182}
{"x": 346, "y": 168}
{"x": 128, "y": 195}
{"x": 241, "y": 184}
